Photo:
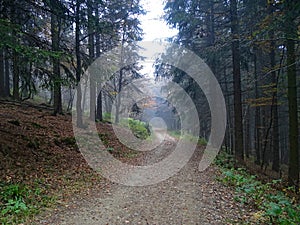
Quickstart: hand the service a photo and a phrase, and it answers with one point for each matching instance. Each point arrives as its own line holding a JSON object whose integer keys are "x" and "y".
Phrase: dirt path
{"x": 190, "y": 197}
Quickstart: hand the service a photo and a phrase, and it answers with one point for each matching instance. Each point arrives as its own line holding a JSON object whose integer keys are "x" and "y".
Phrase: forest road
{"x": 189, "y": 197}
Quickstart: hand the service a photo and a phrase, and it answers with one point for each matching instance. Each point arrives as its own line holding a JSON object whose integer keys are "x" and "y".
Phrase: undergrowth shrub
{"x": 139, "y": 129}
{"x": 104, "y": 138}
{"x": 175, "y": 133}
{"x": 107, "y": 117}
{"x": 274, "y": 206}
{"x": 202, "y": 141}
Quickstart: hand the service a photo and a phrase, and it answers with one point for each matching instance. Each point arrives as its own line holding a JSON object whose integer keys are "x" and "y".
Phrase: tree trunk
{"x": 15, "y": 57}
{"x": 229, "y": 115}
{"x": 99, "y": 115}
{"x": 84, "y": 96}
{"x": 291, "y": 36}
{"x": 247, "y": 133}
{"x": 293, "y": 117}
{"x": 91, "y": 46}
{"x": 238, "y": 120}
{"x": 120, "y": 80}
{"x": 211, "y": 29}
{"x": 55, "y": 32}
{"x": 257, "y": 115}
{"x": 98, "y": 53}
{"x": 78, "y": 67}
{"x": 2, "y": 74}
{"x": 7, "y": 72}
{"x": 16, "y": 78}
{"x": 275, "y": 128}
{"x": 118, "y": 99}
{"x": 274, "y": 106}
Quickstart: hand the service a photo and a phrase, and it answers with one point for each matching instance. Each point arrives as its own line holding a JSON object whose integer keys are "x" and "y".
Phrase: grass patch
{"x": 189, "y": 137}
{"x": 20, "y": 202}
{"x": 175, "y": 133}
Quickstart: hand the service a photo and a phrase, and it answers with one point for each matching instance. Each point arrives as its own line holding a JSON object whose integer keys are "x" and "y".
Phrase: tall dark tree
{"x": 79, "y": 121}
{"x": 291, "y": 10}
{"x": 7, "y": 74}
{"x": 99, "y": 113}
{"x": 238, "y": 108}
{"x": 55, "y": 39}
{"x": 16, "y": 57}
{"x": 275, "y": 123}
{"x": 91, "y": 47}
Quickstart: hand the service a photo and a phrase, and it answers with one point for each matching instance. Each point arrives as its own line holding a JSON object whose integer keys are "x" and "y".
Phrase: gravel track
{"x": 189, "y": 197}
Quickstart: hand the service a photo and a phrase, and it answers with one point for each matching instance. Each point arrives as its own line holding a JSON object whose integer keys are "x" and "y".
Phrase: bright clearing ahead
{"x": 153, "y": 25}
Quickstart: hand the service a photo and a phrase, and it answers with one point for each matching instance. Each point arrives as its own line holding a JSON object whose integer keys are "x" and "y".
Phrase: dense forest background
{"x": 251, "y": 46}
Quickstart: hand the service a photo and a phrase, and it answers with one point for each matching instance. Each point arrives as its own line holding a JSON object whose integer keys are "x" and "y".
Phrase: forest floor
{"x": 39, "y": 149}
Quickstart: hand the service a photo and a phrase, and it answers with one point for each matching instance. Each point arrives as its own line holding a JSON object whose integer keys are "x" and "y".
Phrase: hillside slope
{"x": 39, "y": 151}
